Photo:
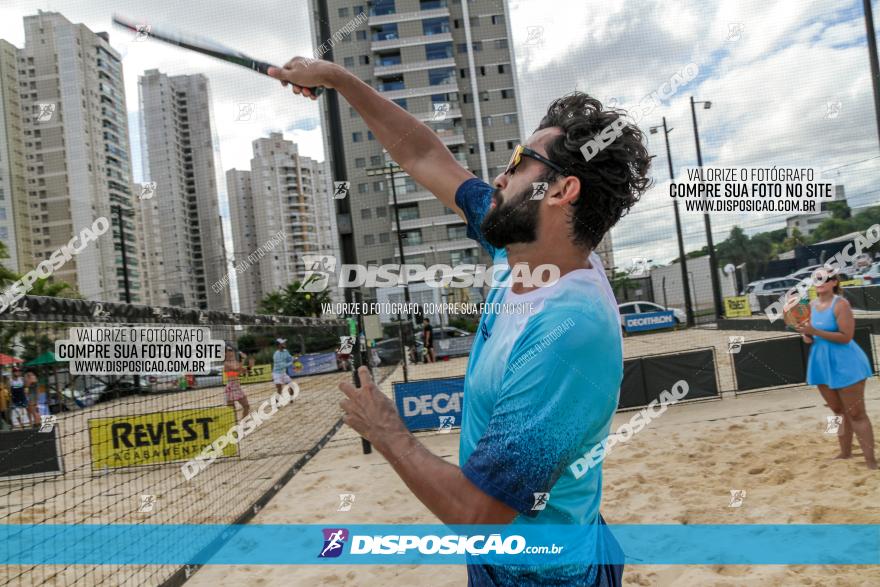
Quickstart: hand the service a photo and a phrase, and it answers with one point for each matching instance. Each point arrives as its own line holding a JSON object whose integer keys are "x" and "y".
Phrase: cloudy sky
{"x": 789, "y": 82}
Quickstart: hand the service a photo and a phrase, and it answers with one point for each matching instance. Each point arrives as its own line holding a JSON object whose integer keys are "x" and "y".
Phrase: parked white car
{"x": 776, "y": 286}
{"x": 804, "y": 272}
{"x": 872, "y": 275}
{"x": 646, "y": 307}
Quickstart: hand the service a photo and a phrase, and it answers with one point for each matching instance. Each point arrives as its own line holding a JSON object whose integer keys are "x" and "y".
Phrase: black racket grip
{"x": 263, "y": 68}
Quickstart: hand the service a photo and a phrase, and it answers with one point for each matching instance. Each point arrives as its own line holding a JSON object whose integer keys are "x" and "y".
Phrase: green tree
{"x": 292, "y": 302}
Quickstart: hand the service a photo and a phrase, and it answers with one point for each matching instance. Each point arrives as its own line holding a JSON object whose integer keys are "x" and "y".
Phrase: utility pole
{"x": 688, "y": 304}
{"x": 713, "y": 264}
{"x": 872, "y": 55}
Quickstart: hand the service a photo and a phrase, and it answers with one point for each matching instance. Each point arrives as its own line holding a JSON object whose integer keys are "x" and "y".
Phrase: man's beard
{"x": 512, "y": 222}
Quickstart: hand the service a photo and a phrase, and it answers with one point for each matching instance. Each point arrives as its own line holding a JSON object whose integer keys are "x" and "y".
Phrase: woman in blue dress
{"x": 839, "y": 367}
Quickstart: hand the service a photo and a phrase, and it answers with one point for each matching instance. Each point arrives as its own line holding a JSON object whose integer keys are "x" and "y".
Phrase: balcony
{"x": 437, "y": 247}
{"x": 427, "y": 222}
{"x": 422, "y": 91}
{"x": 407, "y": 16}
{"x": 451, "y": 137}
{"x": 413, "y": 66}
{"x": 410, "y": 41}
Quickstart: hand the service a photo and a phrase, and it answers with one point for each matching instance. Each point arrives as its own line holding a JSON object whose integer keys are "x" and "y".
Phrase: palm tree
{"x": 292, "y": 302}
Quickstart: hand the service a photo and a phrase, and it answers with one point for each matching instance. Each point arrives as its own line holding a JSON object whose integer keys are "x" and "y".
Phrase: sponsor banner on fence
{"x": 158, "y": 437}
{"x": 313, "y": 364}
{"x": 255, "y": 374}
{"x": 649, "y": 321}
{"x": 737, "y": 307}
{"x": 430, "y": 404}
{"x": 30, "y": 452}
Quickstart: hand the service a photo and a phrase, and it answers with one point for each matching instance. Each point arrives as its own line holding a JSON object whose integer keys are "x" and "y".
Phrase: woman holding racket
{"x": 838, "y": 366}
{"x": 232, "y": 368}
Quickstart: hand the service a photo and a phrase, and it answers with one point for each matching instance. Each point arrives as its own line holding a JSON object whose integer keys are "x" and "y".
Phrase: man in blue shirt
{"x": 541, "y": 385}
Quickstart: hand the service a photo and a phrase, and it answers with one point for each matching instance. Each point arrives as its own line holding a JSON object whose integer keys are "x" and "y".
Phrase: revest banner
{"x": 737, "y": 307}
{"x": 256, "y": 374}
{"x": 158, "y": 437}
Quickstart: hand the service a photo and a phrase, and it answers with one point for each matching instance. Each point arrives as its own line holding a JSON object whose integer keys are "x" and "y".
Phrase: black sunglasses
{"x": 520, "y": 151}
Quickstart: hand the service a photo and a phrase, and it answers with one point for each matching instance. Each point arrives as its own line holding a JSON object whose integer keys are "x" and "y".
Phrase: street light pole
{"x": 688, "y": 304}
{"x": 872, "y": 55}
{"x": 390, "y": 169}
{"x": 713, "y": 264}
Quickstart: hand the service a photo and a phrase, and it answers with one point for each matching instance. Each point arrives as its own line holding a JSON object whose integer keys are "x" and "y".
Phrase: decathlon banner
{"x": 255, "y": 374}
{"x": 430, "y": 404}
{"x": 159, "y": 437}
{"x": 649, "y": 321}
{"x": 371, "y": 544}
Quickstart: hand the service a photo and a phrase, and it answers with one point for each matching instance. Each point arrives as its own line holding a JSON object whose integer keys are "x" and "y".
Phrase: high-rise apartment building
{"x": 77, "y": 157}
{"x": 449, "y": 63}
{"x": 184, "y": 252}
{"x": 285, "y": 197}
{"x": 14, "y": 215}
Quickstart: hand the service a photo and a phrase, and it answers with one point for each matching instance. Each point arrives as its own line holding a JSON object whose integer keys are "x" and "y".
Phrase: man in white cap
{"x": 281, "y": 361}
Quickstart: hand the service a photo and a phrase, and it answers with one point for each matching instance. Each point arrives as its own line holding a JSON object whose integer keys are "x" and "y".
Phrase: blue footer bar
{"x": 122, "y": 544}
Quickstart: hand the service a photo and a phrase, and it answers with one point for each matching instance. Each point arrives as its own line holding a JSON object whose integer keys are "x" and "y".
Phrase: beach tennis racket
{"x": 200, "y": 45}
{"x": 797, "y": 314}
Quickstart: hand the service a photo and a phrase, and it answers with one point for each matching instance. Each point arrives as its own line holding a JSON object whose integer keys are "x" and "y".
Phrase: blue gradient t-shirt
{"x": 540, "y": 391}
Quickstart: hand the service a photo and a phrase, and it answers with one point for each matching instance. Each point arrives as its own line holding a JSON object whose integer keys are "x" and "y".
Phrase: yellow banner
{"x": 737, "y": 307}
{"x": 159, "y": 437}
{"x": 256, "y": 374}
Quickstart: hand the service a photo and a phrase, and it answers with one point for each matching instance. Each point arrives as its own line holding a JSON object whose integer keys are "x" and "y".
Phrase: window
{"x": 501, "y": 43}
{"x": 462, "y": 72}
{"x": 471, "y": 123}
{"x": 364, "y": 59}
{"x": 352, "y": 112}
{"x": 435, "y": 26}
{"x": 376, "y": 160}
{"x": 370, "y": 135}
{"x": 369, "y": 239}
{"x": 381, "y": 7}
{"x": 357, "y": 137}
{"x": 378, "y": 186}
{"x": 461, "y": 47}
{"x": 384, "y": 32}
{"x": 360, "y": 162}
{"x": 389, "y": 59}
{"x": 438, "y": 51}
{"x": 478, "y": 45}
{"x": 456, "y": 24}
{"x": 628, "y": 309}
{"x": 497, "y": 19}
{"x": 384, "y": 237}
{"x": 501, "y": 68}
{"x": 505, "y": 94}
{"x": 444, "y": 75}
{"x": 412, "y": 237}
{"x": 381, "y": 212}
{"x": 348, "y": 62}
{"x": 467, "y": 256}
{"x": 363, "y": 188}
{"x": 510, "y": 145}
{"x": 361, "y": 35}
{"x": 487, "y": 121}
{"x": 509, "y": 118}
{"x": 366, "y": 214}
{"x": 343, "y": 12}
{"x": 400, "y": 102}
{"x": 484, "y": 96}
{"x": 408, "y": 212}
{"x": 456, "y": 231}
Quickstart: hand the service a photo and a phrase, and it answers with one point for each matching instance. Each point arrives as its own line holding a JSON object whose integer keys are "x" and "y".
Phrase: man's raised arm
{"x": 411, "y": 143}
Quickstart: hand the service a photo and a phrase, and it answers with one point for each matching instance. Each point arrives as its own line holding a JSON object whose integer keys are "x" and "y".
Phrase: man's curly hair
{"x": 613, "y": 180}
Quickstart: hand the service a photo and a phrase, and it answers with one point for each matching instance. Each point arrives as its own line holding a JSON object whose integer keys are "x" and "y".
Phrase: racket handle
{"x": 263, "y": 68}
